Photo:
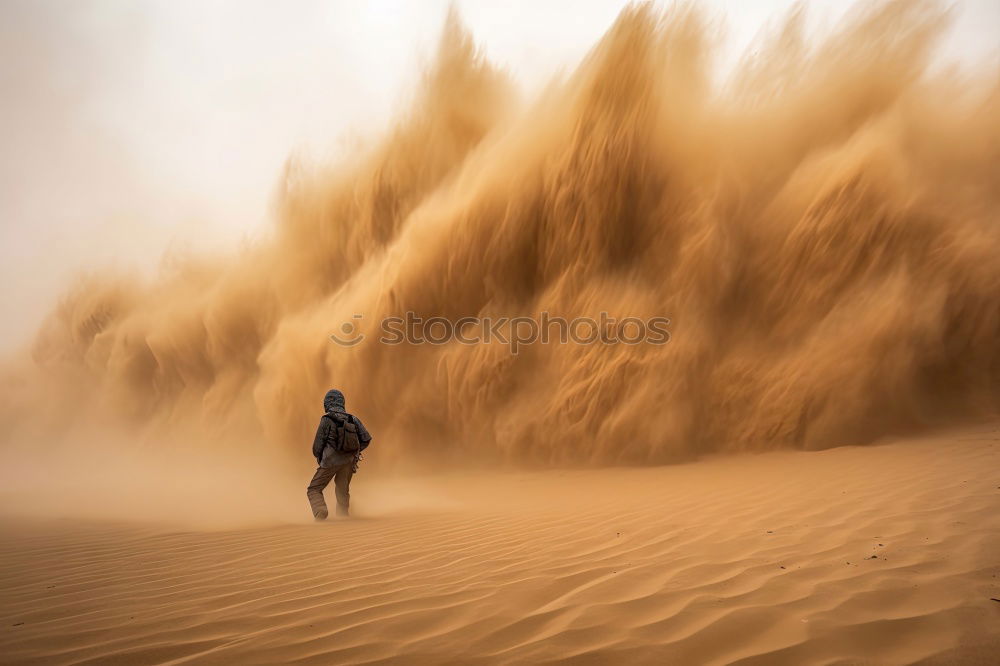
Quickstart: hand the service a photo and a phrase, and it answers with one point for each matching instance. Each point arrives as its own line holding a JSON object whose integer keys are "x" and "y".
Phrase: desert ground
{"x": 203, "y": 233}
{"x": 885, "y": 554}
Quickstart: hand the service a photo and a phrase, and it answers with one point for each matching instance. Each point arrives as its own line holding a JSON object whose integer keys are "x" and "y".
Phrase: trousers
{"x": 341, "y": 477}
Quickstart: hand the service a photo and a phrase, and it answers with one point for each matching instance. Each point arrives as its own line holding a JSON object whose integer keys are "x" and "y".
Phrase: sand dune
{"x": 885, "y": 555}
{"x": 819, "y": 229}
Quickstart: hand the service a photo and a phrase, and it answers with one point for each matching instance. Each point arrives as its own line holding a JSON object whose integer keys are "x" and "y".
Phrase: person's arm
{"x": 363, "y": 434}
{"x": 319, "y": 442}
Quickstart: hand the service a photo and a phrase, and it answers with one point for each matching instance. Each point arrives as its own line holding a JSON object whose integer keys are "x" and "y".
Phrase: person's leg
{"x": 342, "y": 483}
{"x": 314, "y": 492}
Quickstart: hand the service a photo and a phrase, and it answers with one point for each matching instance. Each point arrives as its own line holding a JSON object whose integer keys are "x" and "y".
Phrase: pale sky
{"x": 130, "y": 127}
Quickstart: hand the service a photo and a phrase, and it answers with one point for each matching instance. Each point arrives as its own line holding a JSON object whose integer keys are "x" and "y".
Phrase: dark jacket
{"x": 334, "y": 402}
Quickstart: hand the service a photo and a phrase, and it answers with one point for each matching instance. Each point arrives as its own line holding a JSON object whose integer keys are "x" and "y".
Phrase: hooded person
{"x": 337, "y": 447}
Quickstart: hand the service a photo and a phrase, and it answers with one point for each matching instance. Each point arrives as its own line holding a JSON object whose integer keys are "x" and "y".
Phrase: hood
{"x": 333, "y": 401}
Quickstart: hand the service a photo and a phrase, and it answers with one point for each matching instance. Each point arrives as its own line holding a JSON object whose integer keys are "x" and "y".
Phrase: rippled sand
{"x": 885, "y": 555}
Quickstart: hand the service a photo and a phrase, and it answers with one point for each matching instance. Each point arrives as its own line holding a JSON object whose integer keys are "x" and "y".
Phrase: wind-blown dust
{"x": 822, "y": 231}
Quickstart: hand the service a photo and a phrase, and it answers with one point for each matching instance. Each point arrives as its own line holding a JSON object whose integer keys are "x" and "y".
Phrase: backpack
{"x": 344, "y": 438}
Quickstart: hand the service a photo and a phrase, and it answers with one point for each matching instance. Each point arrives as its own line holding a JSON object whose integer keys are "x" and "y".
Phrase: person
{"x": 334, "y": 463}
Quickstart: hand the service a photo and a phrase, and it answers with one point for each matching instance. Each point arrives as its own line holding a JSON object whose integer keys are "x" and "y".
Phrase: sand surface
{"x": 881, "y": 555}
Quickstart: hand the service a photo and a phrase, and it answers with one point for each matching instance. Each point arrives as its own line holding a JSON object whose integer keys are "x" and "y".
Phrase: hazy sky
{"x": 130, "y": 127}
